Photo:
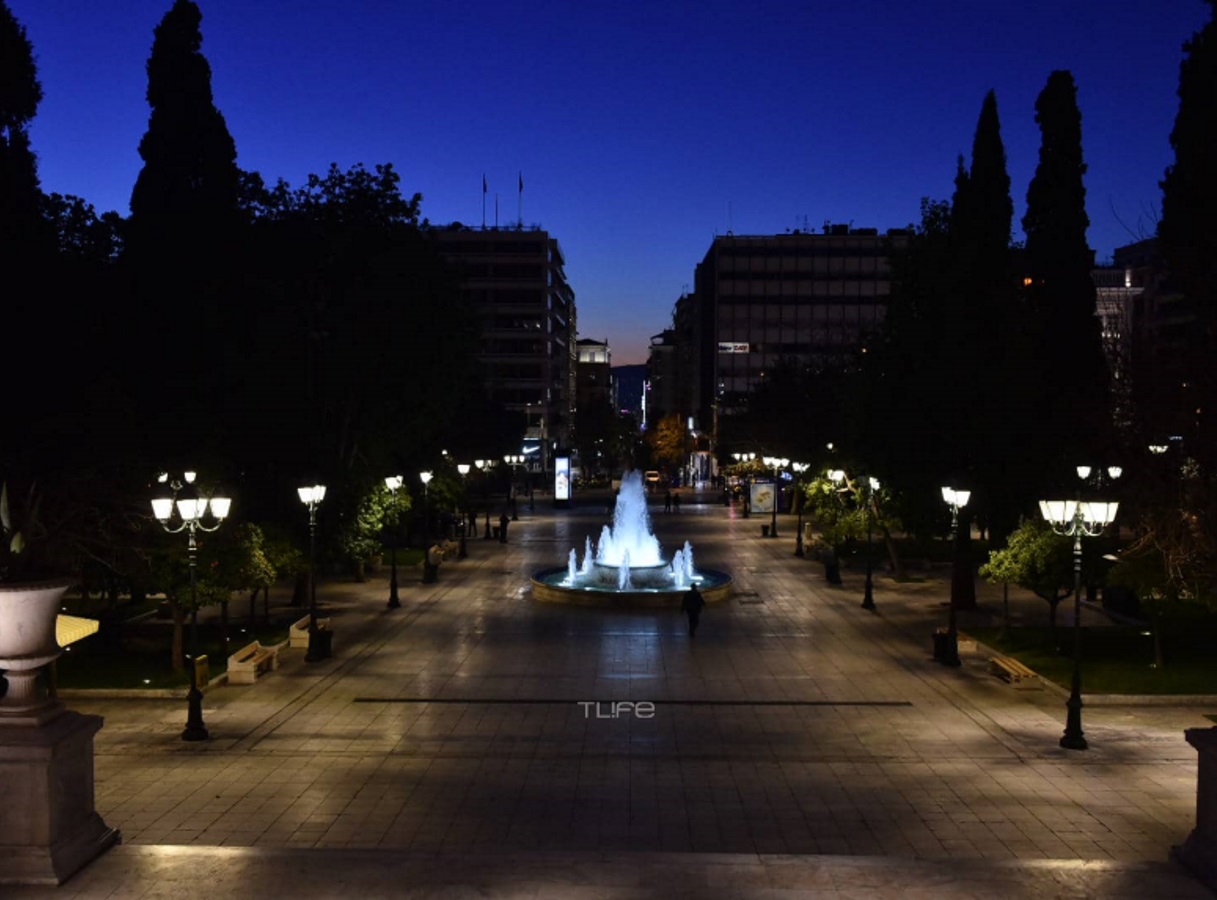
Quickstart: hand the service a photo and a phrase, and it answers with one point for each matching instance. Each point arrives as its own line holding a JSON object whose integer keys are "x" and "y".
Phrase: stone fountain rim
{"x": 551, "y": 593}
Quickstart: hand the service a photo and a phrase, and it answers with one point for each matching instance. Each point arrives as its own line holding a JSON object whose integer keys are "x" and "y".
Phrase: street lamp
{"x": 463, "y": 468}
{"x": 393, "y": 482}
{"x": 425, "y": 478}
{"x": 799, "y": 469}
{"x": 190, "y": 519}
{"x": 946, "y": 646}
{"x": 1078, "y": 519}
{"x": 776, "y": 463}
{"x": 513, "y": 460}
{"x": 318, "y": 647}
{"x": 746, "y": 458}
{"x": 485, "y": 464}
{"x": 868, "y": 596}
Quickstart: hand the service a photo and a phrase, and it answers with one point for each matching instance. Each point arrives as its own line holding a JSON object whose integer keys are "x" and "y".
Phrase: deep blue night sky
{"x": 641, "y": 130}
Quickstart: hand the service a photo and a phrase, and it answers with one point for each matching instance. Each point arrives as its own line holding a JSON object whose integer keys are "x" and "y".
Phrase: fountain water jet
{"x": 626, "y": 566}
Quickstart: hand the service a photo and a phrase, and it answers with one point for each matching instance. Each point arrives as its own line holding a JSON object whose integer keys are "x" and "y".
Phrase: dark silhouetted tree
{"x": 187, "y": 190}
{"x": 21, "y": 226}
{"x": 1188, "y": 235}
{"x": 357, "y": 356}
{"x": 182, "y": 252}
{"x": 1073, "y": 413}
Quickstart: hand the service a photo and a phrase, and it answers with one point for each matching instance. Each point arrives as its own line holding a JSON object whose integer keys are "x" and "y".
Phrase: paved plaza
{"x": 467, "y": 745}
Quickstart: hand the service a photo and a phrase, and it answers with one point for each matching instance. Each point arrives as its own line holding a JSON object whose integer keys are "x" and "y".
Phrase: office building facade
{"x": 515, "y": 281}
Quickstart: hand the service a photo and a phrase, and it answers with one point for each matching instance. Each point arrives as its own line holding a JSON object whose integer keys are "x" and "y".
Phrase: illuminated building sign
{"x": 732, "y": 347}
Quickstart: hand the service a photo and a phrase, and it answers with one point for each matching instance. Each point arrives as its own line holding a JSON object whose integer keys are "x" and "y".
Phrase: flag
{"x": 521, "y": 182}
{"x": 483, "y": 184}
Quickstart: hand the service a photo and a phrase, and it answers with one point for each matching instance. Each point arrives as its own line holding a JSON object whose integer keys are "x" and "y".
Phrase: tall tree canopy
{"x": 1188, "y": 234}
{"x": 20, "y": 93}
{"x": 357, "y": 352}
{"x": 1074, "y": 402}
{"x": 188, "y": 186}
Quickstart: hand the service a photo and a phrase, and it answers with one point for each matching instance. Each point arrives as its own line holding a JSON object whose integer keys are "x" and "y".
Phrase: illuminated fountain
{"x": 626, "y": 566}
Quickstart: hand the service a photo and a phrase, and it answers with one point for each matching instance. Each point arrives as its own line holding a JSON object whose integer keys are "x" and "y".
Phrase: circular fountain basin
{"x": 547, "y": 586}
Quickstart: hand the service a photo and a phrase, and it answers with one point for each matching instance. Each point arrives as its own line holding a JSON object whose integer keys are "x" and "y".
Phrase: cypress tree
{"x": 187, "y": 191}
{"x": 1188, "y": 237}
{"x": 982, "y": 212}
{"x": 982, "y": 208}
{"x": 1074, "y": 401}
{"x": 21, "y": 227}
{"x": 181, "y": 245}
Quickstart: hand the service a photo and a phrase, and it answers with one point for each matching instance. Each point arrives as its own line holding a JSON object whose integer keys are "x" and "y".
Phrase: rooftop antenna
{"x": 729, "y": 229}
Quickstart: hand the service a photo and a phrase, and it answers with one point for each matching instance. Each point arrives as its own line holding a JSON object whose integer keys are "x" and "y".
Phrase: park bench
{"x": 250, "y": 661}
{"x": 297, "y": 634}
{"x": 1010, "y": 669}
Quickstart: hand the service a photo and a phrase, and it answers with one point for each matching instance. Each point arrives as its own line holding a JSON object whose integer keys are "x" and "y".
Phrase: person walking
{"x": 503, "y": 520}
{"x": 667, "y": 501}
{"x": 692, "y": 605}
{"x": 676, "y": 501}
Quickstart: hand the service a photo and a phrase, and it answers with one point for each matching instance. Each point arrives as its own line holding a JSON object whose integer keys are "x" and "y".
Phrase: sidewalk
{"x": 799, "y": 746}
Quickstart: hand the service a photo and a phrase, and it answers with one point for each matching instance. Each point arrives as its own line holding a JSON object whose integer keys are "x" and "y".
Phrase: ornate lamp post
{"x": 393, "y": 482}
{"x": 425, "y": 478}
{"x": 799, "y": 469}
{"x": 775, "y": 463}
{"x": 483, "y": 464}
{"x": 746, "y": 458}
{"x": 463, "y": 468}
{"x": 191, "y": 513}
{"x": 946, "y": 646}
{"x": 513, "y": 460}
{"x": 318, "y": 647}
{"x": 1078, "y": 519}
{"x": 868, "y": 596}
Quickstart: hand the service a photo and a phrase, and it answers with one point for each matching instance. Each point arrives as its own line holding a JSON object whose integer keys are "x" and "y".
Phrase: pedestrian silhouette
{"x": 503, "y": 520}
{"x": 692, "y": 604}
{"x": 667, "y": 501}
{"x": 676, "y": 501}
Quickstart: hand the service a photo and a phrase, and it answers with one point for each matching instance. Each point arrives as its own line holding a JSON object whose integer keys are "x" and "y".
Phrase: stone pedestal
{"x": 1199, "y": 852}
{"x": 48, "y": 826}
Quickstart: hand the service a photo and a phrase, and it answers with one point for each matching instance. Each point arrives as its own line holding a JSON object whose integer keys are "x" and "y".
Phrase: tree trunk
{"x": 224, "y": 627}
{"x": 1157, "y": 636}
{"x": 897, "y": 563}
{"x": 266, "y": 604}
{"x": 300, "y": 589}
{"x": 1005, "y": 607}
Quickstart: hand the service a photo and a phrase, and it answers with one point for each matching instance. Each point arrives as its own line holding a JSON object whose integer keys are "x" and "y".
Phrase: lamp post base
{"x": 195, "y": 730}
{"x": 1073, "y": 738}
{"x": 868, "y": 598}
{"x": 394, "y": 602}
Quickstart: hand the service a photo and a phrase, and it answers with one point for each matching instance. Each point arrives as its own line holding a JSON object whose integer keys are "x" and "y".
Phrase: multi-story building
{"x": 515, "y": 281}
{"x": 1118, "y": 297}
{"x": 760, "y": 301}
{"x": 663, "y": 379}
{"x": 594, "y": 376}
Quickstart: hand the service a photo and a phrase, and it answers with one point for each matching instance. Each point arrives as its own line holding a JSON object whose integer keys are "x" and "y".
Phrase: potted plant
{"x": 32, "y": 585}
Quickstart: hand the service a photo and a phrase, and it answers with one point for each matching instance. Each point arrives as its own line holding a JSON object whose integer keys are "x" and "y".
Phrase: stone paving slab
{"x": 797, "y": 737}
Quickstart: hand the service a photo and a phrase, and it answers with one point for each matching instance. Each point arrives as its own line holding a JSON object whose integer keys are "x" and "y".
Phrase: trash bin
{"x": 320, "y": 643}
